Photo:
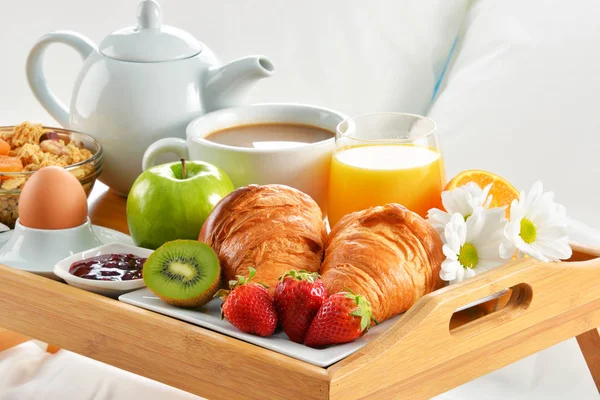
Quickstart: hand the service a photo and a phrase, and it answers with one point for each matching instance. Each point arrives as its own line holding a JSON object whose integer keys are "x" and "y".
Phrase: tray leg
{"x": 589, "y": 343}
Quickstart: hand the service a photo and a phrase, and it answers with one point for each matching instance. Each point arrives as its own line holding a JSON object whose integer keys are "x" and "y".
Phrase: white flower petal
{"x": 465, "y": 199}
{"x": 475, "y": 224}
{"x": 543, "y": 209}
{"x": 452, "y": 234}
{"x": 456, "y": 202}
{"x": 507, "y": 249}
{"x": 490, "y": 250}
{"x": 534, "y": 195}
{"x": 486, "y": 198}
{"x": 460, "y": 275}
{"x": 473, "y": 189}
{"x": 449, "y": 253}
{"x": 556, "y": 250}
{"x": 492, "y": 231}
{"x": 469, "y": 273}
{"x": 438, "y": 219}
{"x": 449, "y": 270}
{"x": 447, "y": 276}
{"x": 448, "y": 201}
{"x": 515, "y": 210}
{"x": 550, "y": 219}
{"x": 450, "y": 266}
{"x": 497, "y": 215}
{"x": 531, "y": 250}
{"x": 456, "y": 230}
{"x": 550, "y": 233}
{"x": 437, "y": 214}
{"x": 512, "y": 230}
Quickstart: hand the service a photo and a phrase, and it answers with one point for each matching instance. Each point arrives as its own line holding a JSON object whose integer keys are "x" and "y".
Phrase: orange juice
{"x": 366, "y": 176}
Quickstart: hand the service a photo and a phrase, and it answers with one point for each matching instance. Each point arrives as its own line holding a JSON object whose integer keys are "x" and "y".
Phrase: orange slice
{"x": 502, "y": 191}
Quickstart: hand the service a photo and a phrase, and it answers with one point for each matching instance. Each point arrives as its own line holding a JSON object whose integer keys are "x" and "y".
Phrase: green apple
{"x": 171, "y": 201}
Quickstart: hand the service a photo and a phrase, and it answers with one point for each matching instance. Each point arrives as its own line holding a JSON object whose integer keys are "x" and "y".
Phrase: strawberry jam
{"x": 109, "y": 267}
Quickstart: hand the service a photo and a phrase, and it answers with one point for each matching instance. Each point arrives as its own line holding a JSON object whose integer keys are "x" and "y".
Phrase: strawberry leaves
{"x": 301, "y": 275}
{"x": 363, "y": 310}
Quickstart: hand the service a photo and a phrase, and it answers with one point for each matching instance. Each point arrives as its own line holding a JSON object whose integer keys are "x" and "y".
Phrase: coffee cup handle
{"x": 163, "y": 146}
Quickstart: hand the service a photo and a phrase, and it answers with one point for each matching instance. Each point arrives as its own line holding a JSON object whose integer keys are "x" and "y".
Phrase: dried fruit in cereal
{"x": 4, "y": 148}
{"x": 10, "y": 164}
{"x": 24, "y": 133}
{"x": 13, "y": 183}
{"x": 37, "y": 147}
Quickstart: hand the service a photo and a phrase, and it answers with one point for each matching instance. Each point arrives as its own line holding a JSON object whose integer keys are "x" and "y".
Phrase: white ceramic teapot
{"x": 141, "y": 84}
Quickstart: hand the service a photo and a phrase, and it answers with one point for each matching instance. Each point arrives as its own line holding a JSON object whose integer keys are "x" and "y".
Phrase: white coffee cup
{"x": 305, "y": 167}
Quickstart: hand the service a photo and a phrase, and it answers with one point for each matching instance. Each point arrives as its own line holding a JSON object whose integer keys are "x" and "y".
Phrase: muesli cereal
{"x": 27, "y": 148}
{"x": 37, "y": 147}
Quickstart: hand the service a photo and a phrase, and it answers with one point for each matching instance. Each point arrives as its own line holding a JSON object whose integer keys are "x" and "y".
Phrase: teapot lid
{"x": 150, "y": 40}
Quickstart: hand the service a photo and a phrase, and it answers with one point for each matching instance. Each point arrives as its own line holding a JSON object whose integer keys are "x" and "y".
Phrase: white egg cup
{"x": 38, "y": 250}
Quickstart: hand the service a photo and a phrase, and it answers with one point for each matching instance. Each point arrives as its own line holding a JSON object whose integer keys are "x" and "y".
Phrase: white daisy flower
{"x": 463, "y": 200}
{"x": 537, "y": 227}
{"x": 472, "y": 246}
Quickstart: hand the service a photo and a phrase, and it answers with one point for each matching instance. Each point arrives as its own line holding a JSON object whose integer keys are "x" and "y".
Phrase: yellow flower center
{"x": 528, "y": 232}
{"x": 468, "y": 256}
{"x": 467, "y": 217}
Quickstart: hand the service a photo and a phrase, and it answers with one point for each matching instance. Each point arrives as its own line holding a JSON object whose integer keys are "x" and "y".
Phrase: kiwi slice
{"x": 184, "y": 273}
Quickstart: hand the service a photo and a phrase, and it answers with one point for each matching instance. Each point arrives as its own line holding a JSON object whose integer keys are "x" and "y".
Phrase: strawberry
{"x": 249, "y": 306}
{"x": 298, "y": 297}
{"x": 343, "y": 317}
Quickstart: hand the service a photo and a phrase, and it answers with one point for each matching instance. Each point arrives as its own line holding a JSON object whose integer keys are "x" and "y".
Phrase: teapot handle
{"x": 35, "y": 74}
{"x": 163, "y": 146}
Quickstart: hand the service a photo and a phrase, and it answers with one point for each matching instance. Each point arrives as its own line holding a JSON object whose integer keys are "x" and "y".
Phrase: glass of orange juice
{"x": 385, "y": 158}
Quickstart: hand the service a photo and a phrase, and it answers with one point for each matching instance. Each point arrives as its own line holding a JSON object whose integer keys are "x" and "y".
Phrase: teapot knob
{"x": 149, "y": 15}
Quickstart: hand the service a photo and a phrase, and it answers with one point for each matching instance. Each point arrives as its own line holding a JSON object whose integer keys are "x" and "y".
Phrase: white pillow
{"x": 521, "y": 98}
{"x": 350, "y": 55}
{"x": 355, "y": 56}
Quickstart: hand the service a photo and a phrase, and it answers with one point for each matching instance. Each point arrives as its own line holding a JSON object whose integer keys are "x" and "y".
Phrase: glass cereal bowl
{"x": 38, "y": 146}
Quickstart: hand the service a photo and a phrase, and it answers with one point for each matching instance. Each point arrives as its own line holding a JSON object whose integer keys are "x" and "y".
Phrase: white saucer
{"x": 105, "y": 235}
{"x": 106, "y": 288}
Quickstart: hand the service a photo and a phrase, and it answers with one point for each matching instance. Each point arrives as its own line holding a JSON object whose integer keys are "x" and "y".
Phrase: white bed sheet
{"x": 29, "y": 373}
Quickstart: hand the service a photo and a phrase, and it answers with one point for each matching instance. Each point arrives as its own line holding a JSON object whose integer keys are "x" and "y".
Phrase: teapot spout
{"x": 230, "y": 84}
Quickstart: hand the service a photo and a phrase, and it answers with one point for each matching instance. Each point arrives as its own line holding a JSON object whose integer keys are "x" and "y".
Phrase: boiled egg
{"x": 52, "y": 199}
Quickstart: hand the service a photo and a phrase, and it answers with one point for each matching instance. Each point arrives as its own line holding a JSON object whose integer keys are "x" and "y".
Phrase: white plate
{"x": 105, "y": 235}
{"x": 209, "y": 317}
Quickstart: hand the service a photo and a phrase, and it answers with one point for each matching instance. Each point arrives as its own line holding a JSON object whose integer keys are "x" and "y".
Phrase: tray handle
{"x": 532, "y": 282}
{"x": 541, "y": 291}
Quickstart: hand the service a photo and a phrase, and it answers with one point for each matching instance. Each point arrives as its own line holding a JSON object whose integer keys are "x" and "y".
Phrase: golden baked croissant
{"x": 273, "y": 228}
{"x": 388, "y": 254}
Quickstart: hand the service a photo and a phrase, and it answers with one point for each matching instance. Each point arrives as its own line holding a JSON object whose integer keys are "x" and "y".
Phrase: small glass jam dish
{"x": 110, "y": 270}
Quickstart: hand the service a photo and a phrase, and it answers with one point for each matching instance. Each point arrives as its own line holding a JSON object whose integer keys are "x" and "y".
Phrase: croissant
{"x": 273, "y": 228}
{"x": 389, "y": 254}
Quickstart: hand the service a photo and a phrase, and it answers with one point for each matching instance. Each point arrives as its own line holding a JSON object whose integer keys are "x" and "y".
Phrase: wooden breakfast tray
{"x": 417, "y": 358}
